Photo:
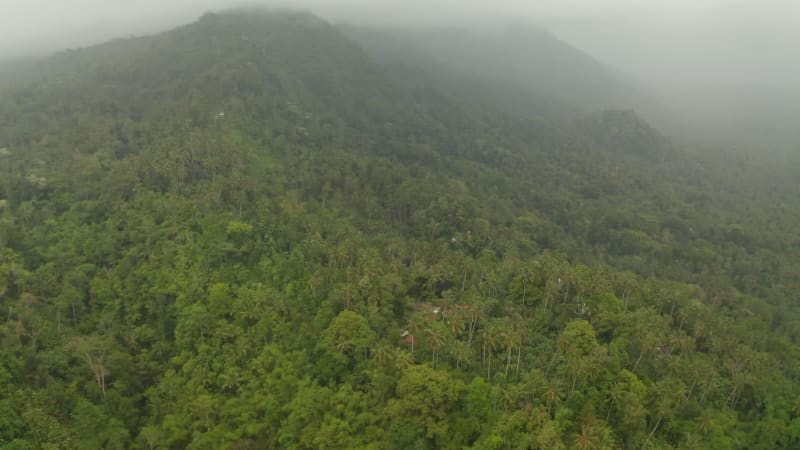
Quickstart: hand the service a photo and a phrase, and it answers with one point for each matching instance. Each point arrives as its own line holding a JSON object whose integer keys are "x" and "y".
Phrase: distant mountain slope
{"x": 412, "y": 63}
{"x": 753, "y": 118}
{"x": 526, "y": 70}
{"x": 527, "y": 58}
{"x": 622, "y": 131}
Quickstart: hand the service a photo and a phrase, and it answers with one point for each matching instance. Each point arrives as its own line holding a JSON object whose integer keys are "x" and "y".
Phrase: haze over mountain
{"x": 262, "y": 230}
{"x": 717, "y": 72}
{"x": 523, "y": 59}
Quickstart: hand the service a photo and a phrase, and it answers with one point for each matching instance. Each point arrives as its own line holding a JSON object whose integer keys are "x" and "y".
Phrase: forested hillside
{"x": 247, "y": 233}
{"x": 552, "y": 78}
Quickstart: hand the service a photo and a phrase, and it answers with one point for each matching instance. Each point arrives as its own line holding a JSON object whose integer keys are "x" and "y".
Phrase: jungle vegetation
{"x": 248, "y": 233}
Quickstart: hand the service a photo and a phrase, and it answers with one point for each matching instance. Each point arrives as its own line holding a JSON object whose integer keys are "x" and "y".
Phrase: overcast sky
{"x": 681, "y": 41}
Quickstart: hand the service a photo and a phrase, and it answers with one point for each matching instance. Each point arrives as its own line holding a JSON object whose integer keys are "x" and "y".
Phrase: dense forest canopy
{"x": 248, "y": 232}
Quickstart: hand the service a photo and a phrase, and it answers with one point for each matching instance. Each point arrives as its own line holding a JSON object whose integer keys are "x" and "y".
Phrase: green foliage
{"x": 342, "y": 260}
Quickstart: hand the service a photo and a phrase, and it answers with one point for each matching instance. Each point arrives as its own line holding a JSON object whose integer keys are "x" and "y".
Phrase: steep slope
{"x": 622, "y": 131}
{"x": 248, "y": 233}
{"x": 523, "y": 57}
{"x": 411, "y": 62}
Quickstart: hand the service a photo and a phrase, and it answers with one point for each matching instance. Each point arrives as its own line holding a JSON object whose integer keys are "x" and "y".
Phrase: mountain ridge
{"x": 527, "y": 57}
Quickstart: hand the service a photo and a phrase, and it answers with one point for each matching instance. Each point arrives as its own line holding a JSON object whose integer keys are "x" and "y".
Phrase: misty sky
{"x": 675, "y": 41}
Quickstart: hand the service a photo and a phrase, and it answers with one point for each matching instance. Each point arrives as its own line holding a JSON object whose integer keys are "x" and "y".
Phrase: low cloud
{"x": 677, "y": 41}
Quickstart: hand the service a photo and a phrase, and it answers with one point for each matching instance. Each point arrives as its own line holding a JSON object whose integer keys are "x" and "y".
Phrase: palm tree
{"x": 403, "y": 359}
{"x": 525, "y": 277}
{"x": 552, "y": 396}
{"x": 477, "y": 313}
{"x": 252, "y": 310}
{"x": 382, "y": 353}
{"x": 437, "y": 342}
{"x": 583, "y": 280}
{"x": 343, "y": 345}
{"x": 626, "y": 284}
{"x": 348, "y": 296}
{"x": 660, "y": 410}
{"x": 584, "y": 367}
{"x": 341, "y": 254}
{"x": 435, "y": 277}
{"x": 513, "y": 338}
{"x": 692, "y": 442}
{"x": 456, "y": 322}
{"x": 615, "y": 395}
{"x": 646, "y": 338}
{"x": 576, "y": 369}
{"x": 395, "y": 247}
{"x": 510, "y": 396}
{"x": 461, "y": 352}
{"x": 93, "y": 349}
{"x": 313, "y": 283}
{"x": 662, "y": 405}
{"x": 551, "y": 290}
{"x": 490, "y": 342}
{"x": 416, "y": 326}
{"x": 588, "y": 438}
